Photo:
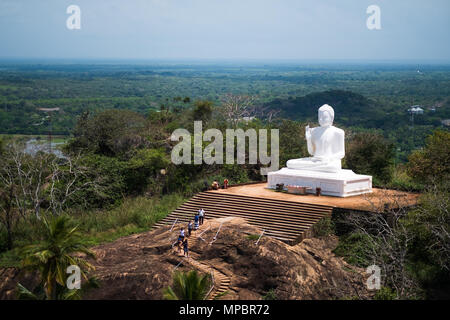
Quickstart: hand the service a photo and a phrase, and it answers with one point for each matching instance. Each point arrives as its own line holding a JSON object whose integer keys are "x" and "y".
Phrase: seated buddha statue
{"x": 325, "y": 145}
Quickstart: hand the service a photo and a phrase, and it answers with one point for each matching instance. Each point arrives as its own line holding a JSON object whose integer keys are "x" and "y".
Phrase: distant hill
{"x": 350, "y": 108}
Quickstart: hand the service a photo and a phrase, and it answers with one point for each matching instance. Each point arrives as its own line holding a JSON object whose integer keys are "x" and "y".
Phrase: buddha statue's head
{"x": 326, "y": 115}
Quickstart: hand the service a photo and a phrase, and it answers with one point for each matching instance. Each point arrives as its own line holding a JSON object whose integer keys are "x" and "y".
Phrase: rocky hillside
{"x": 141, "y": 265}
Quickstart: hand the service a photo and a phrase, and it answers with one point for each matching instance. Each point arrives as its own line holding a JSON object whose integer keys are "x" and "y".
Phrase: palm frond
{"x": 25, "y": 294}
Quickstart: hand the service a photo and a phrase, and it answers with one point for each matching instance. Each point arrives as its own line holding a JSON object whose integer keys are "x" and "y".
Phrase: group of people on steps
{"x": 182, "y": 242}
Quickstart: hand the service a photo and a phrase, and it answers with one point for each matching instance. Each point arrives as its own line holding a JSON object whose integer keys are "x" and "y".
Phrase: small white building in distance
{"x": 415, "y": 110}
{"x": 248, "y": 119}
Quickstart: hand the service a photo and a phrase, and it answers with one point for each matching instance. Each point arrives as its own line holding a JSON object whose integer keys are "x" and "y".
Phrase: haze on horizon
{"x": 231, "y": 29}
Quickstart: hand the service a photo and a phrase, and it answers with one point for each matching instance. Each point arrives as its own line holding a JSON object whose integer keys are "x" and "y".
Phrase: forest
{"x": 373, "y": 96}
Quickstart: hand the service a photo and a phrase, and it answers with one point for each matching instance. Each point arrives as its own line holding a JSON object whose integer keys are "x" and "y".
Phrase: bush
{"x": 110, "y": 132}
{"x": 270, "y": 295}
{"x": 109, "y": 174}
{"x": 133, "y": 215}
{"x": 144, "y": 166}
{"x": 202, "y": 110}
{"x": 292, "y": 141}
{"x": 3, "y": 239}
{"x": 432, "y": 163}
{"x": 324, "y": 227}
{"x": 234, "y": 174}
{"x": 385, "y": 293}
{"x": 429, "y": 253}
{"x": 402, "y": 181}
{"x": 369, "y": 153}
{"x": 252, "y": 236}
{"x": 355, "y": 249}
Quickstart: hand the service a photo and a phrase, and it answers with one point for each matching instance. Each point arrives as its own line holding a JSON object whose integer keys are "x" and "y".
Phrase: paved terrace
{"x": 367, "y": 202}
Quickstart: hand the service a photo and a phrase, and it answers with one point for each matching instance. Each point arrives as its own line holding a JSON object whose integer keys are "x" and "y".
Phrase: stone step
{"x": 254, "y": 214}
{"x": 299, "y": 225}
{"x": 208, "y": 207}
{"x": 287, "y": 221}
{"x": 270, "y": 205}
{"x": 258, "y": 199}
{"x": 195, "y": 203}
{"x": 269, "y": 224}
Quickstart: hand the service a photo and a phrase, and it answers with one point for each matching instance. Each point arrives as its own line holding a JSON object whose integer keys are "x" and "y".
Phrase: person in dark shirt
{"x": 186, "y": 248}
{"x": 190, "y": 226}
{"x": 196, "y": 219}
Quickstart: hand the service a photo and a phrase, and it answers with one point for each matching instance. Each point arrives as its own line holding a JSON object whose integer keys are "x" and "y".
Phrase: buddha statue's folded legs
{"x": 315, "y": 164}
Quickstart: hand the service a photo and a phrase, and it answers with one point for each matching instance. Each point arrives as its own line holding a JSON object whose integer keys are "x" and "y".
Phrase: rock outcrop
{"x": 140, "y": 266}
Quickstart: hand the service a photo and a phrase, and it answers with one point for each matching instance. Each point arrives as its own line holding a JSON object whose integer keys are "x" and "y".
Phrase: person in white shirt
{"x": 201, "y": 214}
{"x": 180, "y": 239}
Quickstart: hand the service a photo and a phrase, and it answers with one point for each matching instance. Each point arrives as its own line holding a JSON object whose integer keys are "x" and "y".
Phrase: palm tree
{"x": 53, "y": 255}
{"x": 188, "y": 286}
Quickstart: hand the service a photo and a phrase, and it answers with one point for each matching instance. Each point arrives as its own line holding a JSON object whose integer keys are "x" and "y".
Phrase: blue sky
{"x": 226, "y": 29}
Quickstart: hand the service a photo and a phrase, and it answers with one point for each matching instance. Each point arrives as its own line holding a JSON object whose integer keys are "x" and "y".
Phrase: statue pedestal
{"x": 344, "y": 183}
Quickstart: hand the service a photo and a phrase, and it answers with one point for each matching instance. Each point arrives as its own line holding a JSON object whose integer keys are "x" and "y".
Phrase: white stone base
{"x": 344, "y": 183}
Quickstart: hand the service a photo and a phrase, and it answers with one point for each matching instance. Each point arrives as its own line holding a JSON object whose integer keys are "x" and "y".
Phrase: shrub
{"x": 324, "y": 227}
{"x": 252, "y": 236}
{"x": 432, "y": 163}
{"x": 110, "y": 132}
{"x": 354, "y": 248}
{"x": 270, "y": 295}
{"x": 385, "y": 293}
{"x": 142, "y": 167}
{"x": 369, "y": 153}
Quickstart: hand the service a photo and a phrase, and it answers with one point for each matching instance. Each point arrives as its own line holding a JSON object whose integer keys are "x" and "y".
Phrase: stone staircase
{"x": 221, "y": 281}
{"x": 287, "y": 221}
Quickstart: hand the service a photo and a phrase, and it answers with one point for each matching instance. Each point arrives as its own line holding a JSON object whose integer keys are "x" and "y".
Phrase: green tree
{"x": 144, "y": 165}
{"x": 292, "y": 141}
{"x": 188, "y": 286}
{"x": 187, "y": 100}
{"x": 103, "y": 182}
{"x": 54, "y": 254}
{"x": 429, "y": 252}
{"x": 432, "y": 163}
{"x": 202, "y": 110}
{"x": 109, "y": 133}
{"x": 369, "y": 153}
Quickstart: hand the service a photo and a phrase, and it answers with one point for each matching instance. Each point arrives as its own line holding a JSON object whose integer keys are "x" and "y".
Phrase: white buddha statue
{"x": 325, "y": 144}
